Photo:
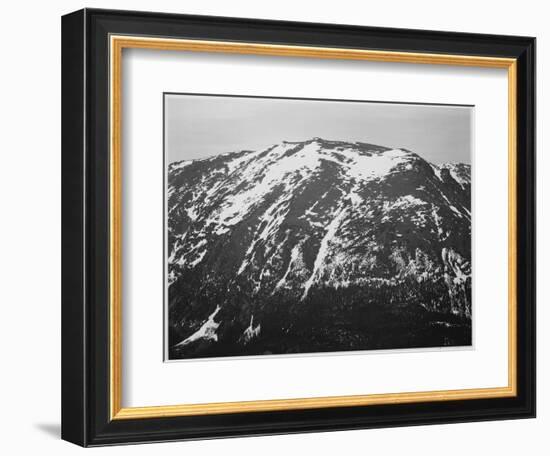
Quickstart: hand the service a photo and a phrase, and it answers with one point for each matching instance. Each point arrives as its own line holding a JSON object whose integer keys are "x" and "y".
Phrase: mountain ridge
{"x": 299, "y": 219}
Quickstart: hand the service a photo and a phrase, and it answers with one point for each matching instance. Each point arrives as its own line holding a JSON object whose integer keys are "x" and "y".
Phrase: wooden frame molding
{"x": 116, "y": 46}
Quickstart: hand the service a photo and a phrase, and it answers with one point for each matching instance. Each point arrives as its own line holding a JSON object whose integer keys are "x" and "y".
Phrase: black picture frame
{"x": 86, "y": 416}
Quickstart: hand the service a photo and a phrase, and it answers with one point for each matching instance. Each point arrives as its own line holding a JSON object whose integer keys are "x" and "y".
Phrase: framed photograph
{"x": 296, "y": 246}
{"x": 279, "y": 227}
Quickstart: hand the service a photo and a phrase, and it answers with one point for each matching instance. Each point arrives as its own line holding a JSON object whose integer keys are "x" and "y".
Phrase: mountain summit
{"x": 317, "y": 246}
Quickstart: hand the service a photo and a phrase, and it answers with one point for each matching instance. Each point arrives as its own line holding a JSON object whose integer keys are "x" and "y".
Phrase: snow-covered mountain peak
{"x": 293, "y": 220}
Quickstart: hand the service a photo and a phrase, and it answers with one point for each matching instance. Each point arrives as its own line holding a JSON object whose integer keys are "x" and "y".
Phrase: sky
{"x": 198, "y": 126}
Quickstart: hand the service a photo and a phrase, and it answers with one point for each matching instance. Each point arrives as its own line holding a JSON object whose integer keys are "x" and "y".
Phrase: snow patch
{"x": 180, "y": 165}
{"x": 436, "y": 171}
{"x": 206, "y": 331}
{"x": 437, "y": 220}
{"x": 369, "y": 167}
{"x": 251, "y": 331}
{"x": 295, "y": 260}
{"x": 318, "y": 265}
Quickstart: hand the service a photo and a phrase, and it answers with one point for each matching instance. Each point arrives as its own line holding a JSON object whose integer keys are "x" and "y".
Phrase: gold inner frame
{"x": 117, "y": 44}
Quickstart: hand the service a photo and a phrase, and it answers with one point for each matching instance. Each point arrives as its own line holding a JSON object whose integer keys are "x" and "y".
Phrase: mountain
{"x": 317, "y": 246}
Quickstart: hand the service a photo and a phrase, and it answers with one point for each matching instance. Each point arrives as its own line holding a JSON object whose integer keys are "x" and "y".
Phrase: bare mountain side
{"x": 317, "y": 246}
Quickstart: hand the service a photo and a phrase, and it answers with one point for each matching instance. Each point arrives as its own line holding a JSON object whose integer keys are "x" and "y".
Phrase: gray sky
{"x": 200, "y": 125}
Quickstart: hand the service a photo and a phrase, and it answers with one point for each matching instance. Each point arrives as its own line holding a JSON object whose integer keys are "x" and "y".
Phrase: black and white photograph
{"x": 298, "y": 226}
